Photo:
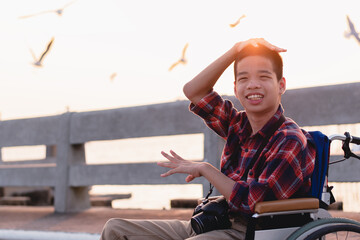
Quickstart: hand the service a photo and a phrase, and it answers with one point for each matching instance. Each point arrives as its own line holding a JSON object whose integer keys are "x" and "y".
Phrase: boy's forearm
{"x": 221, "y": 182}
{"x": 203, "y": 83}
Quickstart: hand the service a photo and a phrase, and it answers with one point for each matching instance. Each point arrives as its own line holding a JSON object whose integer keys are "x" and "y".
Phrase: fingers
{"x": 173, "y": 158}
{"x": 167, "y": 164}
{"x": 172, "y": 161}
{"x": 256, "y": 41}
{"x": 189, "y": 178}
{"x": 175, "y": 155}
{"x": 170, "y": 158}
{"x": 165, "y": 155}
{"x": 177, "y": 165}
{"x": 168, "y": 173}
{"x": 269, "y": 45}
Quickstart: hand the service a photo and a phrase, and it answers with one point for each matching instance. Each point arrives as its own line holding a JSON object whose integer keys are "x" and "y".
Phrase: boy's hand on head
{"x": 255, "y": 41}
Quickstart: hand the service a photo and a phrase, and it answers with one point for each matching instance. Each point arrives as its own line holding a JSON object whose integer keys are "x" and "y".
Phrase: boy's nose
{"x": 253, "y": 84}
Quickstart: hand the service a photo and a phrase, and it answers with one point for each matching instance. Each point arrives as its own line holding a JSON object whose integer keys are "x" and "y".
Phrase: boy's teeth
{"x": 254, "y": 96}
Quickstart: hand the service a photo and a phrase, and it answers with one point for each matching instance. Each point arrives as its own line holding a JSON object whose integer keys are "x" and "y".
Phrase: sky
{"x": 139, "y": 40}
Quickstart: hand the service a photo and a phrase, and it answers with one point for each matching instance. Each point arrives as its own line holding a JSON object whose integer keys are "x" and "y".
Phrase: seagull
{"x": 352, "y": 30}
{"x": 38, "y": 62}
{"x": 237, "y": 21}
{"x": 113, "y": 76}
{"x": 182, "y": 59}
{"x": 58, "y": 11}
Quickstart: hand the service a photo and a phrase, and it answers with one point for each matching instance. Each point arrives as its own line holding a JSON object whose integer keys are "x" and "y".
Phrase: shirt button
{"x": 246, "y": 150}
{"x": 237, "y": 171}
{"x": 250, "y": 173}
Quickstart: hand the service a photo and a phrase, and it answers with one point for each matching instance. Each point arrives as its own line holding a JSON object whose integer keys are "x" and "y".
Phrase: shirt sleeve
{"x": 216, "y": 112}
{"x": 288, "y": 168}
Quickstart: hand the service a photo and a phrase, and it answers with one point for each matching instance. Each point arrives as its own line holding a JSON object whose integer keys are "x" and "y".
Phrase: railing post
{"x": 67, "y": 198}
{"x": 213, "y": 146}
{"x": 50, "y": 151}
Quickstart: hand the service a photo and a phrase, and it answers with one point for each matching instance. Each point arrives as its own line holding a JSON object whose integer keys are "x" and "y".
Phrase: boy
{"x": 288, "y": 160}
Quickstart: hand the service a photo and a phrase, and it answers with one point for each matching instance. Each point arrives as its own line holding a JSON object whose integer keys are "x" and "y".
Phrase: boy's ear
{"x": 235, "y": 89}
{"x": 282, "y": 85}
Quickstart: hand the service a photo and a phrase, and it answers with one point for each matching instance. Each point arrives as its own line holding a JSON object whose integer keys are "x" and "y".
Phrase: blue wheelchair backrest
{"x": 322, "y": 144}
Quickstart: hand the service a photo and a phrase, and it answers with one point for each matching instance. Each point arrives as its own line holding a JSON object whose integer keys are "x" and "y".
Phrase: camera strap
{"x": 267, "y": 137}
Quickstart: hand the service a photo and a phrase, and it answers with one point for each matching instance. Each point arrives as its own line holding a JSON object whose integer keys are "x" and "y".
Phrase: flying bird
{"x": 182, "y": 59}
{"x": 237, "y": 21}
{"x": 58, "y": 11}
{"x": 38, "y": 62}
{"x": 353, "y": 31}
{"x": 113, "y": 76}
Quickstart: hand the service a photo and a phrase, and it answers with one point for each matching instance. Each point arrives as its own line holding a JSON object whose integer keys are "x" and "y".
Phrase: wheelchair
{"x": 306, "y": 218}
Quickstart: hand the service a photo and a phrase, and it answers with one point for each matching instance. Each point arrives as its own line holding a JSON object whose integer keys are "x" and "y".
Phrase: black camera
{"x": 211, "y": 215}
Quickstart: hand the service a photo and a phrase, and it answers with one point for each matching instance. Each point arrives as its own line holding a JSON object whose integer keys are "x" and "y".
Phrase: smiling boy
{"x": 284, "y": 166}
{"x": 259, "y": 85}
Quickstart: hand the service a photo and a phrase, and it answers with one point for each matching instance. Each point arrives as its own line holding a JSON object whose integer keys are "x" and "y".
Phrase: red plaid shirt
{"x": 289, "y": 158}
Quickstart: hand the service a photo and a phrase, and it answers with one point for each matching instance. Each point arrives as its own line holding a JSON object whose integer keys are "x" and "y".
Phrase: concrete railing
{"x": 65, "y": 168}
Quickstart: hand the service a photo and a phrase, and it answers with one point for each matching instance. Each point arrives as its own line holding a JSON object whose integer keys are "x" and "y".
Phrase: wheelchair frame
{"x": 321, "y": 222}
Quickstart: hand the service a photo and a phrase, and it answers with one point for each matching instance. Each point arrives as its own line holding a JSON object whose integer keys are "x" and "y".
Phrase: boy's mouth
{"x": 254, "y": 96}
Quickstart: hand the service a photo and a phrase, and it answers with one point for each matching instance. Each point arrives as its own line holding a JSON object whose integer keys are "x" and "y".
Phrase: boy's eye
{"x": 265, "y": 77}
{"x": 242, "y": 79}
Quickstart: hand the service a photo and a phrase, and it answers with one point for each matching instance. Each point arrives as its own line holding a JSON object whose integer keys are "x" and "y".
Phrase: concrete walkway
{"x": 45, "y": 235}
{"x": 43, "y": 219}
{"x": 88, "y": 221}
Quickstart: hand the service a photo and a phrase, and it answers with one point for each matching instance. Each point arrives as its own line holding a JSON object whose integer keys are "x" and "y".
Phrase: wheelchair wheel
{"x": 328, "y": 229}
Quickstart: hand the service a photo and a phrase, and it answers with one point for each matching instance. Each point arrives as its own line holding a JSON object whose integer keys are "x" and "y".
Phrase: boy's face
{"x": 256, "y": 85}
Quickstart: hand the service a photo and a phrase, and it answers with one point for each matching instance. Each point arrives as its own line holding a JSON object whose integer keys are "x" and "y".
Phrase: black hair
{"x": 261, "y": 50}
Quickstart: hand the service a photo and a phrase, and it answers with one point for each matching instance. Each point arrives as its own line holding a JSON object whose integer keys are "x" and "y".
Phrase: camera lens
{"x": 211, "y": 216}
{"x": 197, "y": 225}
{"x": 204, "y": 223}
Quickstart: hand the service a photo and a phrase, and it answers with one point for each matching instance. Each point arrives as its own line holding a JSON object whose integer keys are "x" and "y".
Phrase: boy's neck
{"x": 258, "y": 121}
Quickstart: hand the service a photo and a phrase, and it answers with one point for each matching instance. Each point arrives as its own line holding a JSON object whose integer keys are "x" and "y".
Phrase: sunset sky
{"x": 139, "y": 40}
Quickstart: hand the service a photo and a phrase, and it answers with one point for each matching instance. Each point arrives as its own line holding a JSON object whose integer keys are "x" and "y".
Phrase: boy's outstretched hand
{"x": 179, "y": 165}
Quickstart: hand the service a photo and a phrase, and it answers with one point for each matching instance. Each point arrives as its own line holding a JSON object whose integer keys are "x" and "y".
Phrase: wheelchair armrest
{"x": 287, "y": 205}
{"x": 286, "y": 209}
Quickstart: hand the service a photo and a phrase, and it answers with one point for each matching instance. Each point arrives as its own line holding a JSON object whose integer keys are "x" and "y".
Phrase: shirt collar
{"x": 267, "y": 127}
{"x": 247, "y": 130}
